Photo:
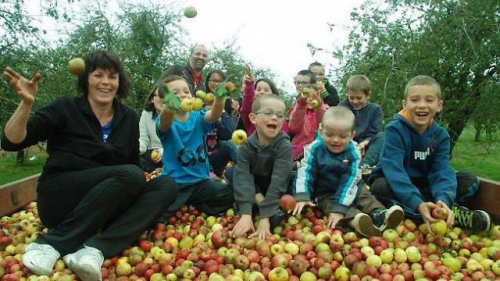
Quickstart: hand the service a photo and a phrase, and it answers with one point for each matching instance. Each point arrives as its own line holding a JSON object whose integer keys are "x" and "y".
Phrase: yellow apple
{"x": 306, "y": 91}
{"x": 439, "y": 228}
{"x": 200, "y": 94}
{"x": 209, "y": 98}
{"x": 186, "y": 105}
{"x": 239, "y": 137}
{"x": 197, "y": 103}
{"x": 76, "y": 66}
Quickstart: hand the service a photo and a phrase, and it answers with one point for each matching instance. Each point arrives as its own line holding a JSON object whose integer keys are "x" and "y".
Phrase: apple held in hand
{"x": 201, "y": 94}
{"x": 287, "y": 202}
{"x": 209, "y": 98}
{"x": 190, "y": 12}
{"x": 186, "y": 105}
{"x": 155, "y": 155}
{"x": 197, "y": 104}
{"x": 76, "y": 66}
{"x": 230, "y": 87}
{"x": 306, "y": 91}
{"x": 314, "y": 103}
{"x": 239, "y": 137}
{"x": 439, "y": 213}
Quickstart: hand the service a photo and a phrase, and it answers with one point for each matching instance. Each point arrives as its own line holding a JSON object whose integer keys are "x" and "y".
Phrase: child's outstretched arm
{"x": 172, "y": 104}
{"x": 221, "y": 92}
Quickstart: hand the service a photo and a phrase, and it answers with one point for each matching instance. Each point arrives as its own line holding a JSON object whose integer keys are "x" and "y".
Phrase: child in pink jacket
{"x": 305, "y": 117}
{"x": 251, "y": 91}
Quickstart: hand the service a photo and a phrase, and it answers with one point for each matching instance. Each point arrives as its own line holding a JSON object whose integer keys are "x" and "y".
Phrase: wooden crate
{"x": 487, "y": 199}
{"x": 17, "y": 194}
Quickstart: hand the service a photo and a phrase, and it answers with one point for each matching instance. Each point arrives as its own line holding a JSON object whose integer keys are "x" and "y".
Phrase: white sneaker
{"x": 40, "y": 258}
{"x": 86, "y": 263}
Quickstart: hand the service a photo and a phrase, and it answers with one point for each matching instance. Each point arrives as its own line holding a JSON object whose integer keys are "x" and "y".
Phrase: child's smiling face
{"x": 422, "y": 103}
{"x": 336, "y": 134}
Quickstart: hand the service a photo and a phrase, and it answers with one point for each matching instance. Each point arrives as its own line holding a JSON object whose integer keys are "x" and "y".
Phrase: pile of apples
{"x": 194, "y": 246}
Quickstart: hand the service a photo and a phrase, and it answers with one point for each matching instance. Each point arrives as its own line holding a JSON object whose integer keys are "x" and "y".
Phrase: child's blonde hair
{"x": 359, "y": 83}
{"x": 340, "y": 113}
{"x": 423, "y": 80}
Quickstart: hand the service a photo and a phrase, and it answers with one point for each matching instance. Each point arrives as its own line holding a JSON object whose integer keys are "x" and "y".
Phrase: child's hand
{"x": 248, "y": 75}
{"x": 171, "y": 101}
{"x": 243, "y": 226}
{"x": 321, "y": 86}
{"x": 263, "y": 230}
{"x": 450, "y": 220}
{"x": 224, "y": 88}
{"x": 333, "y": 219}
{"x": 425, "y": 209}
{"x": 300, "y": 205}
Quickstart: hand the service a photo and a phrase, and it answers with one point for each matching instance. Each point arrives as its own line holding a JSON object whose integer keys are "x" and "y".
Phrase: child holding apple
{"x": 329, "y": 175}
{"x": 414, "y": 168}
{"x": 185, "y": 158}
{"x": 150, "y": 147}
{"x": 368, "y": 123}
{"x": 264, "y": 168}
{"x": 306, "y": 114}
{"x": 327, "y": 91}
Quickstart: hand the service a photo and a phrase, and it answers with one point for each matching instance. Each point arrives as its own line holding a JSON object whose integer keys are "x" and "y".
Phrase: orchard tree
{"x": 456, "y": 42}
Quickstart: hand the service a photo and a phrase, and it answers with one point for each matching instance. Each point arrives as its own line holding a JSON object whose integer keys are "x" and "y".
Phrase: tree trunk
{"x": 477, "y": 136}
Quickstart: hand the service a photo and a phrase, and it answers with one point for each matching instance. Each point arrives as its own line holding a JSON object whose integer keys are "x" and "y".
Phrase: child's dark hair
{"x": 148, "y": 103}
{"x": 212, "y": 72}
{"x": 257, "y": 103}
{"x": 309, "y": 73}
{"x": 271, "y": 84}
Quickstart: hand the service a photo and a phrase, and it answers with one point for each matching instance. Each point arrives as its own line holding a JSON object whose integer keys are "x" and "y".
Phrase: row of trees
{"x": 455, "y": 41}
{"x": 148, "y": 38}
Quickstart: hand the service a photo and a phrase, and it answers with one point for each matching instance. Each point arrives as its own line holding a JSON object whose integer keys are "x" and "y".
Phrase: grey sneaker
{"x": 388, "y": 218}
{"x": 86, "y": 263}
{"x": 40, "y": 258}
{"x": 363, "y": 224}
{"x": 366, "y": 169}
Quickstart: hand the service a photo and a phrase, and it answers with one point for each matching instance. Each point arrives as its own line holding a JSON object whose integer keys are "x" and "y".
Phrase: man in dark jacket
{"x": 193, "y": 72}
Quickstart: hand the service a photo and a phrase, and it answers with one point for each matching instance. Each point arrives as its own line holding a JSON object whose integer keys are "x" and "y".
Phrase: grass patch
{"x": 11, "y": 171}
{"x": 480, "y": 158}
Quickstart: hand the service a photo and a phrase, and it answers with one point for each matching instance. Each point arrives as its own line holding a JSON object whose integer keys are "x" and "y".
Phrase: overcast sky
{"x": 270, "y": 33}
{"x": 274, "y": 33}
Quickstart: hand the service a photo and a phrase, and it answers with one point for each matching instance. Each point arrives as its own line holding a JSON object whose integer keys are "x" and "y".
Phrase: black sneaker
{"x": 363, "y": 224}
{"x": 388, "y": 218}
{"x": 476, "y": 220}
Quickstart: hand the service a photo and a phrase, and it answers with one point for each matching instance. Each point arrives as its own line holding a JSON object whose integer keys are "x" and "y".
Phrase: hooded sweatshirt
{"x": 267, "y": 166}
{"x": 368, "y": 121}
{"x": 408, "y": 155}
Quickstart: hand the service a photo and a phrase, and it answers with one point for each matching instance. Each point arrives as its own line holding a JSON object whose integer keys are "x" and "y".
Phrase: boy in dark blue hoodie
{"x": 414, "y": 167}
{"x": 369, "y": 118}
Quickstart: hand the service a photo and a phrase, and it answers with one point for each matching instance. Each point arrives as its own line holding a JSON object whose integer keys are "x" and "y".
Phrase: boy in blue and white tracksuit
{"x": 330, "y": 176}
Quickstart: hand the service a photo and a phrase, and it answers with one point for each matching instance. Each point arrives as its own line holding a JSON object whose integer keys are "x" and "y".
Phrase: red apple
{"x": 287, "y": 202}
